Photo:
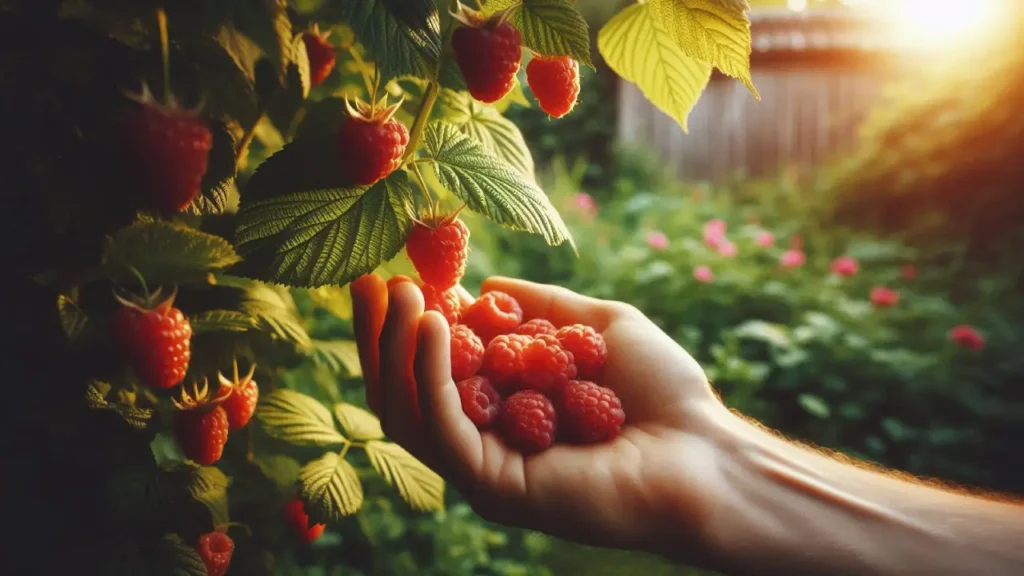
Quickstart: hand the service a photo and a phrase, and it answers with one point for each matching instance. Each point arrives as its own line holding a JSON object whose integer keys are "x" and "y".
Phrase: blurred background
{"x": 845, "y": 256}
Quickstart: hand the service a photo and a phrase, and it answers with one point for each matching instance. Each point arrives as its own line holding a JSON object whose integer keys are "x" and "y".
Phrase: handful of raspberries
{"x": 532, "y": 381}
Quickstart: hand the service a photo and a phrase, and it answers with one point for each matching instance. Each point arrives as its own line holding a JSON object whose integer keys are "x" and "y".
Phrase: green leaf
{"x": 420, "y": 486}
{"x": 166, "y": 253}
{"x": 322, "y": 119}
{"x": 337, "y": 355}
{"x": 712, "y": 31}
{"x": 639, "y": 48}
{"x": 266, "y": 23}
{"x": 221, "y": 321}
{"x": 495, "y": 6}
{"x": 404, "y": 36}
{"x": 298, "y": 419}
{"x": 96, "y": 398}
{"x": 73, "y": 319}
{"x": 220, "y": 174}
{"x": 814, "y": 405}
{"x": 209, "y": 486}
{"x": 330, "y": 489}
{"x": 283, "y": 471}
{"x": 553, "y": 28}
{"x": 272, "y": 307}
{"x": 172, "y": 557}
{"x": 360, "y": 424}
{"x": 491, "y": 186}
{"x": 323, "y": 234}
{"x": 499, "y": 135}
{"x": 334, "y": 299}
{"x": 773, "y": 334}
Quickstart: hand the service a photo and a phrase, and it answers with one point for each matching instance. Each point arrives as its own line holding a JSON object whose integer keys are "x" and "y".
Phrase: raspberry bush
{"x": 251, "y": 158}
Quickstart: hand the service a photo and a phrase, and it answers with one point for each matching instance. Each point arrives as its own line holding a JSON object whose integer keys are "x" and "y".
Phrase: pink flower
{"x": 909, "y": 272}
{"x": 883, "y": 297}
{"x": 967, "y": 337}
{"x": 845, "y": 266}
{"x": 714, "y": 233}
{"x": 792, "y": 259}
{"x": 657, "y": 240}
{"x": 703, "y": 274}
{"x": 727, "y": 249}
{"x": 585, "y": 203}
{"x": 765, "y": 239}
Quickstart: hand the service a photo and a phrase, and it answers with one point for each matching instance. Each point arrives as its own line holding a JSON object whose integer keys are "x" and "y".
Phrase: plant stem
{"x": 420, "y": 123}
{"x": 423, "y": 183}
{"x": 243, "y": 146}
{"x": 344, "y": 450}
{"x": 362, "y": 65}
{"x": 165, "y": 53}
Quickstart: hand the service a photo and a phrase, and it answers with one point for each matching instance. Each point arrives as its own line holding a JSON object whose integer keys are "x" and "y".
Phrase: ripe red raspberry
{"x": 155, "y": 339}
{"x": 467, "y": 352}
{"x": 527, "y": 421}
{"x": 438, "y": 249}
{"x": 555, "y": 82}
{"x": 492, "y": 314}
{"x": 200, "y": 426}
{"x": 967, "y": 337}
{"x": 547, "y": 367}
{"x": 488, "y": 56}
{"x": 537, "y": 327}
{"x": 503, "y": 361}
{"x": 216, "y": 548}
{"x": 321, "y": 56}
{"x": 396, "y": 280}
{"x": 296, "y": 517}
{"x": 241, "y": 403}
{"x": 371, "y": 142}
{"x": 590, "y": 413}
{"x": 588, "y": 348}
{"x": 169, "y": 149}
{"x": 883, "y": 297}
{"x": 480, "y": 401}
{"x": 446, "y": 302}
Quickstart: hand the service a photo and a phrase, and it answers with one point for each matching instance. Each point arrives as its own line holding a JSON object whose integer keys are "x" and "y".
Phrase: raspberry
{"x": 503, "y": 360}
{"x": 488, "y": 56}
{"x": 536, "y": 327}
{"x": 492, "y": 314}
{"x": 170, "y": 149}
{"x": 555, "y": 82}
{"x": 155, "y": 338}
{"x": 241, "y": 404}
{"x": 444, "y": 301}
{"x": 438, "y": 250}
{"x": 883, "y": 297}
{"x": 587, "y": 346}
{"x": 590, "y": 413}
{"x": 845, "y": 266}
{"x": 547, "y": 367}
{"x": 296, "y": 517}
{"x": 480, "y": 401}
{"x": 467, "y": 352}
{"x": 527, "y": 421}
{"x": 216, "y": 548}
{"x": 398, "y": 279}
{"x": 200, "y": 426}
{"x": 372, "y": 144}
{"x": 321, "y": 56}
{"x": 967, "y": 337}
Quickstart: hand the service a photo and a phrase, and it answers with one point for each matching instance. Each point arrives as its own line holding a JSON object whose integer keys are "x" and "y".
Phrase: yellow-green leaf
{"x": 221, "y": 321}
{"x": 420, "y": 486}
{"x": 713, "y": 31}
{"x": 337, "y": 356}
{"x": 553, "y": 28}
{"x": 334, "y": 299}
{"x": 330, "y": 488}
{"x": 493, "y": 6}
{"x": 499, "y": 135}
{"x": 297, "y": 419}
{"x": 166, "y": 253}
{"x": 360, "y": 424}
{"x": 638, "y": 48}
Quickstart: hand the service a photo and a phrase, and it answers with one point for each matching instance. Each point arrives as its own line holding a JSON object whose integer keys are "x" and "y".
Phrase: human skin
{"x": 687, "y": 478}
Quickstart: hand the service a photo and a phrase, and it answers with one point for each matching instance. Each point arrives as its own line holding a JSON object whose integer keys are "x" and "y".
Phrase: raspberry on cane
{"x": 527, "y": 421}
{"x": 446, "y": 302}
{"x": 492, "y": 314}
{"x": 488, "y": 54}
{"x": 201, "y": 424}
{"x": 438, "y": 247}
{"x": 590, "y": 413}
{"x": 321, "y": 55}
{"x": 240, "y": 404}
{"x": 371, "y": 142}
{"x": 588, "y": 348}
{"x": 467, "y": 352}
{"x": 215, "y": 548}
{"x": 555, "y": 82}
{"x": 547, "y": 367}
{"x": 537, "y": 327}
{"x": 480, "y": 401}
{"x": 154, "y": 336}
{"x": 296, "y": 517}
{"x": 503, "y": 361}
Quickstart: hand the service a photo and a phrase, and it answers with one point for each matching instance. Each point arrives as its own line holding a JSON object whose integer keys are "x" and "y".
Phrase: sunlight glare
{"x": 940, "y": 23}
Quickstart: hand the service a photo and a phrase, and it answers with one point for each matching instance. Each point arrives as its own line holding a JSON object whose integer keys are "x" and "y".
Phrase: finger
{"x": 369, "y": 307}
{"x": 401, "y": 418}
{"x": 455, "y": 440}
{"x": 559, "y": 305}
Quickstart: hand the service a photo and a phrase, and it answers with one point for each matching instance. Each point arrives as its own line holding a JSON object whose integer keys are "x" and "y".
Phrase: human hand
{"x": 646, "y": 489}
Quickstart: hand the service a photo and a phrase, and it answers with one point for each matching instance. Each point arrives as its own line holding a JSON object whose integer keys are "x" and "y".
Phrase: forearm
{"x": 781, "y": 508}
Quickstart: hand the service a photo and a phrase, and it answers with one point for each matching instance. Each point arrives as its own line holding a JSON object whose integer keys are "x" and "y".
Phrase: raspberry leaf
{"x": 404, "y": 36}
{"x": 553, "y": 28}
{"x": 272, "y": 307}
{"x": 338, "y": 356}
{"x": 220, "y": 175}
{"x": 499, "y": 135}
{"x": 221, "y": 321}
{"x": 330, "y": 489}
{"x": 96, "y": 397}
{"x": 166, "y": 253}
{"x": 639, "y": 49}
{"x": 419, "y": 486}
{"x": 490, "y": 185}
{"x": 297, "y": 419}
{"x": 334, "y": 299}
{"x": 712, "y": 31}
{"x": 360, "y": 424}
{"x": 207, "y": 485}
{"x": 173, "y": 557}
